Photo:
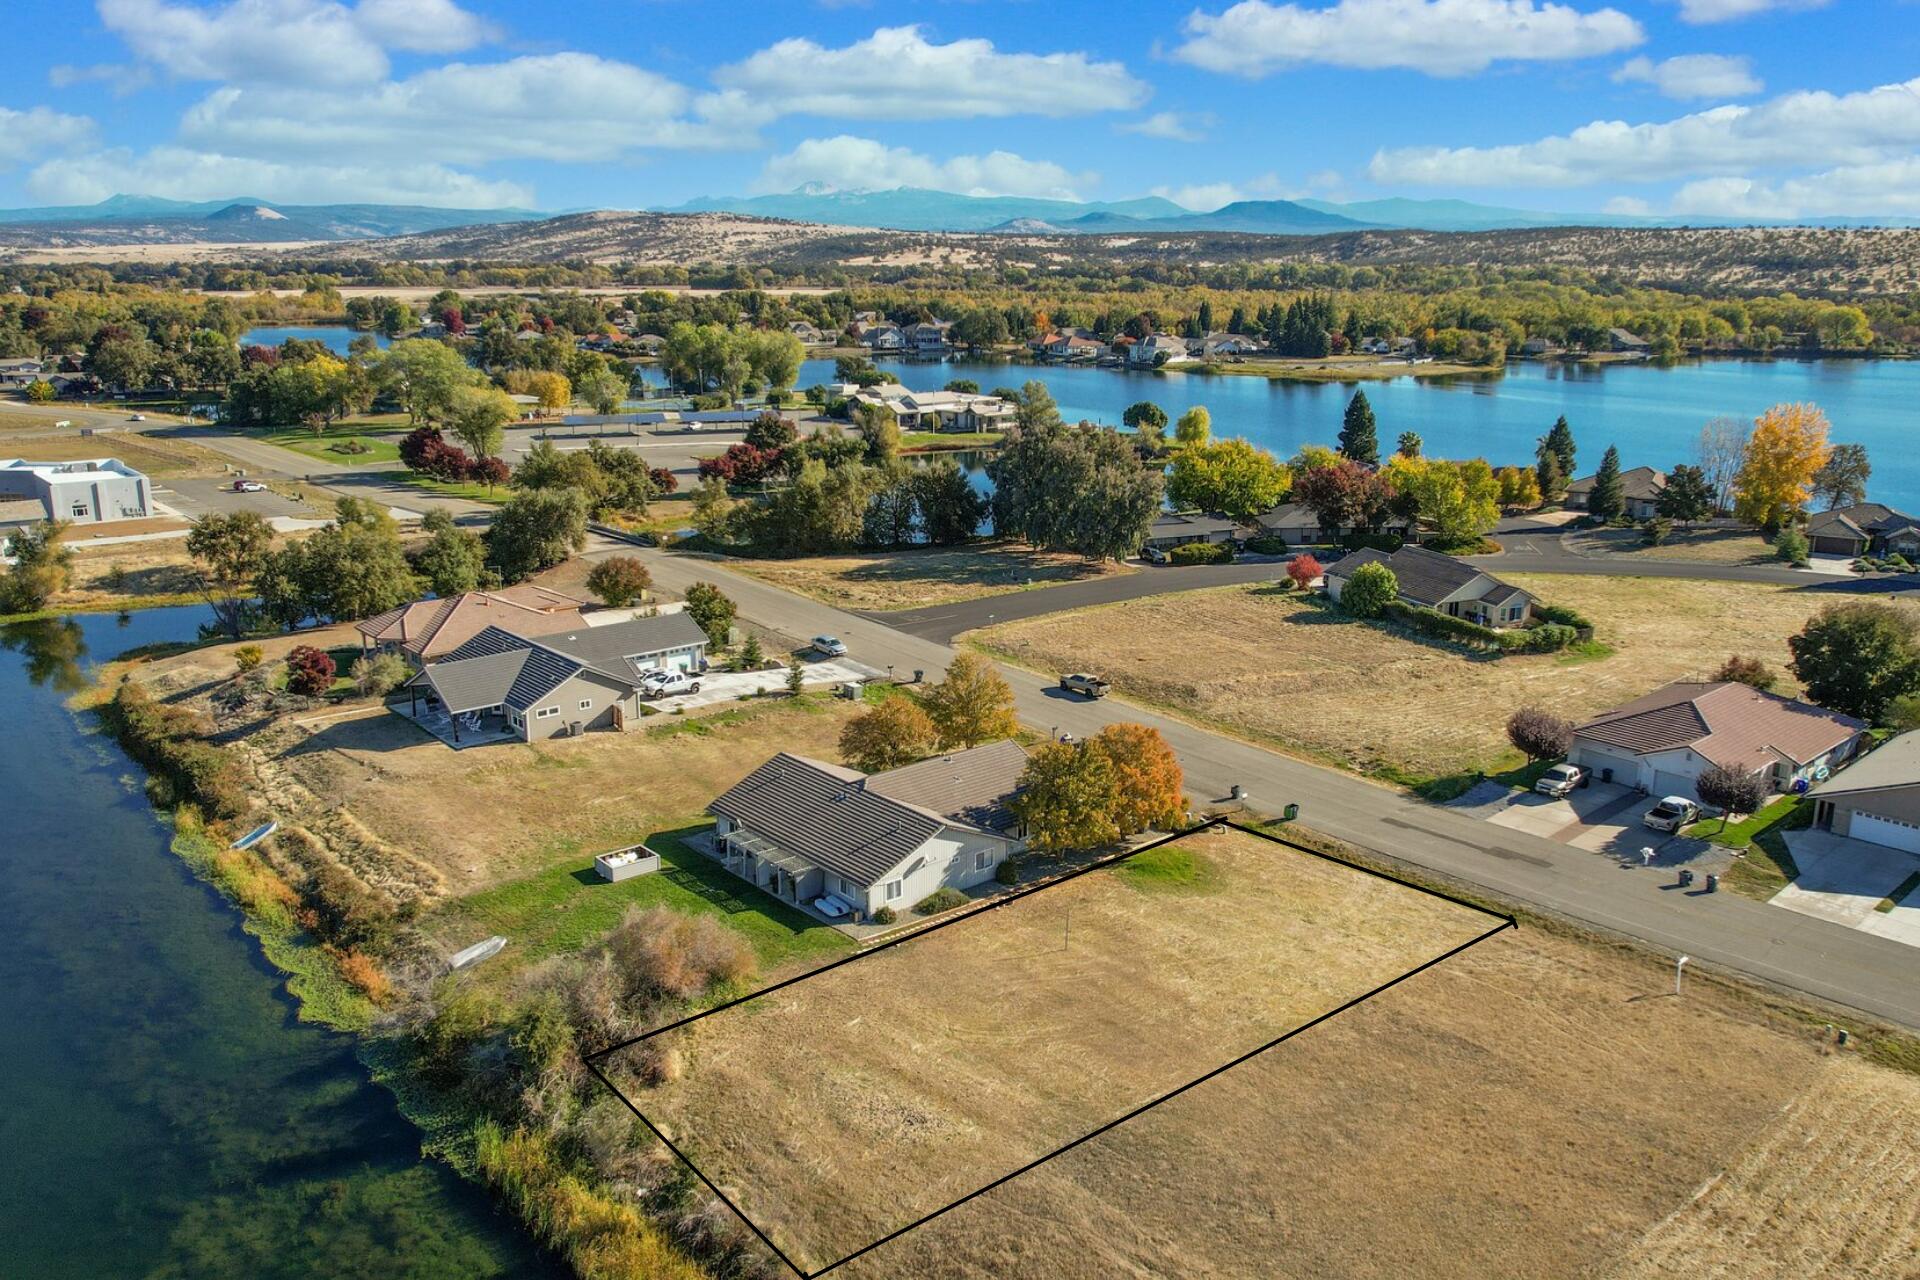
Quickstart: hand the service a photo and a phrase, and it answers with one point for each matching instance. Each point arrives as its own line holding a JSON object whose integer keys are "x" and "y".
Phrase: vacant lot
{"x": 854, "y": 1102}
{"x": 156, "y": 455}
{"x": 909, "y": 579}
{"x": 1708, "y": 546}
{"x": 1272, "y": 665}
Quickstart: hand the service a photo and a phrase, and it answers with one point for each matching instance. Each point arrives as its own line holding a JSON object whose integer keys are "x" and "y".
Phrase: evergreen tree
{"x": 1688, "y": 496}
{"x": 1357, "y": 436}
{"x": 1608, "y": 499}
{"x": 1559, "y": 441}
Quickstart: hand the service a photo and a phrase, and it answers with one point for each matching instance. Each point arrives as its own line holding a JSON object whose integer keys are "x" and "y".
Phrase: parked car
{"x": 136, "y": 417}
{"x": 248, "y": 486}
{"x": 1085, "y": 685}
{"x": 1672, "y": 813}
{"x": 1154, "y": 555}
{"x": 667, "y": 682}
{"x": 1562, "y": 779}
{"x": 829, "y": 646}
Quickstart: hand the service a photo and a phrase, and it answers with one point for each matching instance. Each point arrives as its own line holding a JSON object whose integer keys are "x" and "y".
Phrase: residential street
{"x": 1827, "y": 960}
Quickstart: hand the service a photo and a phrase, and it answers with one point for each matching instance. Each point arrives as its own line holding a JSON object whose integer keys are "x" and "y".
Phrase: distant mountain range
{"x": 151, "y": 219}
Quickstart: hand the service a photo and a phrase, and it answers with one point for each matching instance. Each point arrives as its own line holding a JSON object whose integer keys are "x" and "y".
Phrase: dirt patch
{"x": 910, "y": 579}
{"x": 865, "y": 1097}
{"x": 1269, "y": 664}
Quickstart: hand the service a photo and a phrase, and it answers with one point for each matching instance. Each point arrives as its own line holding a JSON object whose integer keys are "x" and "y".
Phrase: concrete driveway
{"x": 1600, "y": 818}
{"x": 1844, "y": 880}
{"x": 728, "y": 686}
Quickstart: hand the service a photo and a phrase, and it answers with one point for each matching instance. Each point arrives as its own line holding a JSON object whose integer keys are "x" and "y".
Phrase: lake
{"x": 165, "y": 1114}
{"x": 1653, "y": 413}
{"x": 335, "y": 336}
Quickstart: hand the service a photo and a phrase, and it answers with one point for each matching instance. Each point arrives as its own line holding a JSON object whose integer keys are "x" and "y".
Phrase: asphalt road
{"x": 1784, "y": 948}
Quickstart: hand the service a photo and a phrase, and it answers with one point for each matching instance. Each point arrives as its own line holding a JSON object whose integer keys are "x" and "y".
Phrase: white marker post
{"x": 1679, "y": 970}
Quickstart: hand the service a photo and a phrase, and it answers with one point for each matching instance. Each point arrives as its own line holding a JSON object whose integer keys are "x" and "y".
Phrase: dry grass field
{"x": 854, "y": 1102}
{"x": 910, "y": 579}
{"x": 1271, "y": 665}
{"x": 156, "y": 455}
{"x": 1701, "y": 546}
{"x": 1535, "y": 1106}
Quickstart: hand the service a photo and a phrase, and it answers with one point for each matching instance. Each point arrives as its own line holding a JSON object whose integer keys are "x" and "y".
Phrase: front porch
{"x": 460, "y": 730}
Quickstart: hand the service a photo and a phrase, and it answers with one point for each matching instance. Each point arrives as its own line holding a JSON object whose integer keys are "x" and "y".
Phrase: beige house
{"x": 428, "y": 630}
{"x": 1640, "y": 490}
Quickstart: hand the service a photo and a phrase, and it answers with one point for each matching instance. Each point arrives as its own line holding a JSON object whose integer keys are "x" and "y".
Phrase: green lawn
{"x": 1767, "y": 867}
{"x": 568, "y": 906}
{"x": 1740, "y": 834}
{"x": 451, "y": 488}
{"x": 933, "y": 441}
{"x": 329, "y": 446}
{"x": 1170, "y": 869}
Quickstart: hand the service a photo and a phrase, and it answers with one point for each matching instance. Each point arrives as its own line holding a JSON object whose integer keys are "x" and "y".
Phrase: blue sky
{"x": 1775, "y": 108}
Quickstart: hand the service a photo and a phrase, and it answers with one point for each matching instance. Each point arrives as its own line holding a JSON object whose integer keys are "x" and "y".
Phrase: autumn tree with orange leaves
{"x": 1787, "y": 448}
{"x": 1149, "y": 783}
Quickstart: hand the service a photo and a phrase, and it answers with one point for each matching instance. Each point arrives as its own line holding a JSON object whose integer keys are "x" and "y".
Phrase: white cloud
{"x": 1694, "y": 75}
{"x": 1205, "y": 197}
{"x": 1796, "y": 129}
{"x": 181, "y": 174}
{"x": 288, "y": 41}
{"x": 896, "y": 74}
{"x": 847, "y": 163}
{"x": 1890, "y": 188}
{"x": 120, "y": 79}
{"x": 1702, "y": 12}
{"x": 1630, "y": 205}
{"x": 1174, "y": 126}
{"x": 575, "y": 107}
{"x": 1440, "y": 37}
{"x": 25, "y": 134}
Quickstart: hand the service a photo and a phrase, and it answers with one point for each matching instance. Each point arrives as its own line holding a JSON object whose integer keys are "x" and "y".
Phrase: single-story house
{"x": 1877, "y": 799}
{"x": 558, "y": 685}
{"x": 1640, "y": 490}
{"x": 1867, "y": 529}
{"x": 1172, "y": 529}
{"x": 1441, "y": 582}
{"x": 826, "y": 836}
{"x": 956, "y": 410}
{"x": 1299, "y": 526}
{"x": 808, "y": 334}
{"x": 1223, "y": 344}
{"x": 87, "y": 491}
{"x": 1074, "y": 346}
{"x": 1624, "y": 340}
{"x": 1661, "y": 743}
{"x": 429, "y": 630}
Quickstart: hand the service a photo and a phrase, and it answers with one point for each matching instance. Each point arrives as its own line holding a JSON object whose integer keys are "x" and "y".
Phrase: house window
{"x": 79, "y": 511}
{"x": 544, "y": 712}
{"x": 586, "y": 704}
{"x": 983, "y": 859}
{"x": 893, "y": 890}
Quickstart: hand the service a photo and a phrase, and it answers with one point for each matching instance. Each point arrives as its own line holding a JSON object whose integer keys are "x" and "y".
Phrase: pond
{"x": 1652, "y": 413}
{"x": 335, "y": 336}
{"x": 165, "y": 1114}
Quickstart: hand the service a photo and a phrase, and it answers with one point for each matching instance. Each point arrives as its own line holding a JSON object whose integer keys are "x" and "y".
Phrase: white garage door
{"x": 1895, "y": 835}
{"x": 1672, "y": 784}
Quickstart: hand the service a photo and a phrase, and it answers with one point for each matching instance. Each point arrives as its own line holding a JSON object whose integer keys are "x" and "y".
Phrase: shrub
{"x": 1006, "y": 872}
{"x": 1267, "y": 544}
{"x": 1745, "y": 670}
{"x": 1358, "y": 541}
{"x": 380, "y": 674}
{"x": 1563, "y": 615}
{"x": 885, "y": 915}
{"x": 1656, "y": 531}
{"x": 659, "y": 952}
{"x": 1791, "y": 546}
{"x": 1370, "y": 590}
{"x": 1201, "y": 553}
{"x": 183, "y": 768}
{"x": 945, "y": 898}
{"x": 1539, "y": 735}
{"x": 309, "y": 671}
{"x": 620, "y": 580}
{"x": 247, "y": 657}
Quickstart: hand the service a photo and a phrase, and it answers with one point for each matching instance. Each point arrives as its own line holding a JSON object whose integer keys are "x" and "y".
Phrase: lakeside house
{"x": 428, "y": 630}
{"x": 1157, "y": 349}
{"x": 957, "y": 411}
{"x": 808, "y": 334}
{"x": 1663, "y": 742}
{"x": 1876, "y": 799}
{"x": 1074, "y": 346}
{"x": 1299, "y": 526}
{"x": 1223, "y": 344}
{"x": 1869, "y": 528}
{"x": 1175, "y": 529}
{"x": 845, "y": 844}
{"x": 85, "y": 491}
{"x": 1627, "y": 341}
{"x": 1640, "y": 490}
{"x": 1431, "y": 580}
{"x": 499, "y": 685}
{"x": 884, "y": 338}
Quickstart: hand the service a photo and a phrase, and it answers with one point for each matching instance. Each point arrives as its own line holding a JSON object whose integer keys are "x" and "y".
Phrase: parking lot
{"x": 1600, "y": 818}
{"x": 203, "y": 495}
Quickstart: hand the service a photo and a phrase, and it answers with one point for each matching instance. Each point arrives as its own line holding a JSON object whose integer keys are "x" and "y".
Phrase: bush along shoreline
{"x": 494, "y": 1080}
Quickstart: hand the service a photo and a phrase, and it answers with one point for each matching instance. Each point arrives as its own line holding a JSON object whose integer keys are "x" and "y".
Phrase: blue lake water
{"x": 335, "y": 336}
{"x": 165, "y": 1116}
{"x": 1654, "y": 414}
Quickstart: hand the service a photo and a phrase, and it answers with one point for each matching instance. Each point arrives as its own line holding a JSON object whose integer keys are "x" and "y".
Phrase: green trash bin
{"x": 1291, "y": 812}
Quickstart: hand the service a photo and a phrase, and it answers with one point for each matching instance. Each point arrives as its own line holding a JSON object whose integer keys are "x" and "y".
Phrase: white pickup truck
{"x": 667, "y": 684}
{"x": 1085, "y": 685}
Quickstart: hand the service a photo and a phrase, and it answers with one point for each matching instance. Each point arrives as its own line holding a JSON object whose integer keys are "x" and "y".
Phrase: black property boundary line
{"x": 593, "y": 1060}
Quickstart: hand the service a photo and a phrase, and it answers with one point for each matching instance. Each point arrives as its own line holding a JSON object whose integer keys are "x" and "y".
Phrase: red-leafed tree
{"x": 309, "y": 671}
{"x": 663, "y": 480}
{"x": 1345, "y": 495}
{"x": 743, "y": 464}
{"x": 1304, "y": 570}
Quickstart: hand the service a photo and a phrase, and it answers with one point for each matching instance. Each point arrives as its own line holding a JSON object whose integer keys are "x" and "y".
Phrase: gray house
{"x": 846, "y": 844}
{"x": 89, "y": 491}
{"x": 558, "y": 685}
{"x": 1877, "y": 799}
{"x": 1173, "y": 529}
{"x": 1866, "y": 529}
{"x": 1441, "y": 582}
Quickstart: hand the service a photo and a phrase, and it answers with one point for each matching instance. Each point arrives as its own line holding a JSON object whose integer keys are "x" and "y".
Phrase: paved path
{"x": 1830, "y": 961}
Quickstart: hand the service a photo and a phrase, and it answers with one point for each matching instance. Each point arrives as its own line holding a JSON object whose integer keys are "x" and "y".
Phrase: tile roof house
{"x": 556, "y": 684}
{"x": 1437, "y": 581}
{"x": 1640, "y": 488}
{"x": 1662, "y": 742}
{"x": 428, "y": 630}
{"x": 846, "y": 843}
{"x": 1877, "y": 799}
{"x": 1866, "y": 529}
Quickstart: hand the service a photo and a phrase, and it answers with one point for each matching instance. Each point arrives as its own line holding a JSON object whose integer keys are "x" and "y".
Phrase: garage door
{"x": 1626, "y": 769}
{"x": 1672, "y": 784}
{"x": 1895, "y": 835}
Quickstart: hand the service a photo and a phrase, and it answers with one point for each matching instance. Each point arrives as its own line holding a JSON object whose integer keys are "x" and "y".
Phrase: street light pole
{"x": 1679, "y": 971}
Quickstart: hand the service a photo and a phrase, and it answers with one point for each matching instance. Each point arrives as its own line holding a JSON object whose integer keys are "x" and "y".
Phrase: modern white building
{"x": 89, "y": 491}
